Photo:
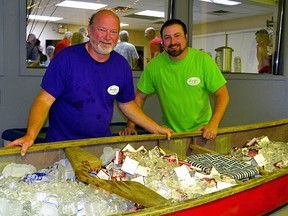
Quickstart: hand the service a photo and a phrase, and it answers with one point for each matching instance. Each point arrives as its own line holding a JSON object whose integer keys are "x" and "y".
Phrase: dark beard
{"x": 175, "y": 53}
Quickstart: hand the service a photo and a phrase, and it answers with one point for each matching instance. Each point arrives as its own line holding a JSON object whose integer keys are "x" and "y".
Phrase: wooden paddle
{"x": 131, "y": 190}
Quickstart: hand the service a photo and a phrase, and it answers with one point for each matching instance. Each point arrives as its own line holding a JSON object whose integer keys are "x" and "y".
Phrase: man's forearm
{"x": 37, "y": 117}
{"x": 222, "y": 100}
{"x": 139, "y": 100}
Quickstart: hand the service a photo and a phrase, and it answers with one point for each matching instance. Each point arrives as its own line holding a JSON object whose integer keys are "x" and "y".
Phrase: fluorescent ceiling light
{"x": 224, "y": 2}
{"x": 81, "y": 5}
{"x": 123, "y": 24}
{"x": 151, "y": 13}
{"x": 43, "y": 18}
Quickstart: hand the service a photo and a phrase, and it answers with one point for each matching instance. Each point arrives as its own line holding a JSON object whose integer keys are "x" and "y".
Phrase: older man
{"x": 127, "y": 49}
{"x": 80, "y": 86}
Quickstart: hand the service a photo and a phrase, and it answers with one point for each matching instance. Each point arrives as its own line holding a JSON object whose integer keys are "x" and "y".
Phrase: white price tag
{"x": 259, "y": 158}
{"x": 182, "y": 172}
{"x": 129, "y": 165}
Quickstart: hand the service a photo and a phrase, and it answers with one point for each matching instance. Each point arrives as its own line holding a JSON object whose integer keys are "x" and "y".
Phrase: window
{"x": 225, "y": 32}
{"x": 241, "y": 38}
{"x": 63, "y": 19}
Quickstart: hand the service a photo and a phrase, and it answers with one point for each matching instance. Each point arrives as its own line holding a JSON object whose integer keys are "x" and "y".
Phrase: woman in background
{"x": 263, "y": 56}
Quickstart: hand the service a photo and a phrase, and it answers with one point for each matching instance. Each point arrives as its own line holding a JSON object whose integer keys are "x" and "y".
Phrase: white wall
{"x": 242, "y": 42}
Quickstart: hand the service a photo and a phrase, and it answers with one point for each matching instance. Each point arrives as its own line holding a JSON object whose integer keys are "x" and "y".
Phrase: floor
{"x": 282, "y": 211}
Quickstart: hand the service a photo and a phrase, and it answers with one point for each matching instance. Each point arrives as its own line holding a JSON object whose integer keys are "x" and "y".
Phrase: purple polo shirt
{"x": 85, "y": 91}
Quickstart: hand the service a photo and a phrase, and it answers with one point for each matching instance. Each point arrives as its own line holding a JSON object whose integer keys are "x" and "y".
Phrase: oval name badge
{"x": 193, "y": 81}
{"x": 113, "y": 90}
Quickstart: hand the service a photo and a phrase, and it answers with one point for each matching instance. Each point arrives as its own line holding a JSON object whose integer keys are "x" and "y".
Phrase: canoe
{"x": 247, "y": 198}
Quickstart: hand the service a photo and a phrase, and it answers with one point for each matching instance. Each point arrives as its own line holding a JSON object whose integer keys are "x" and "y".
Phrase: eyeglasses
{"x": 102, "y": 30}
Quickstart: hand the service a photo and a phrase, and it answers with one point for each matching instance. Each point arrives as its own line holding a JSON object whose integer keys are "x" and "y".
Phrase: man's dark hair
{"x": 172, "y": 22}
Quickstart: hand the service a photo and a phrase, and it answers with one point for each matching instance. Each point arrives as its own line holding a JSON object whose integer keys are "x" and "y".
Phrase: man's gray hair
{"x": 68, "y": 34}
{"x": 83, "y": 31}
{"x": 123, "y": 35}
{"x": 50, "y": 49}
{"x": 150, "y": 29}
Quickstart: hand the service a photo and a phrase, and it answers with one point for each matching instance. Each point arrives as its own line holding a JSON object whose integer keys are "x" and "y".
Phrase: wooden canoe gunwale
{"x": 57, "y": 148}
{"x": 144, "y": 137}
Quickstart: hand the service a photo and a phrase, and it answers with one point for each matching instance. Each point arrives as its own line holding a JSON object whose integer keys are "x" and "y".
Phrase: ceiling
{"x": 213, "y": 12}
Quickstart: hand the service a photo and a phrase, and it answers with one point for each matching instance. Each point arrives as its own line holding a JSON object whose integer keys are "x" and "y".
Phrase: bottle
{"x": 218, "y": 60}
{"x": 237, "y": 64}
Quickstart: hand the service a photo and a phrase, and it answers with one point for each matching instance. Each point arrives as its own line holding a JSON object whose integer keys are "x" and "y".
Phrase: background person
{"x": 48, "y": 56}
{"x": 127, "y": 49}
{"x": 43, "y": 58}
{"x": 31, "y": 48}
{"x": 263, "y": 56}
{"x": 50, "y": 51}
{"x": 155, "y": 43}
{"x": 80, "y": 86}
{"x": 39, "y": 46}
{"x": 77, "y": 38}
{"x": 84, "y": 32}
{"x": 183, "y": 78}
{"x": 65, "y": 42}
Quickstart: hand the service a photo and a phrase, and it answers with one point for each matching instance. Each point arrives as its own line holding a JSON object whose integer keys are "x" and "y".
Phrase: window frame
{"x": 171, "y": 13}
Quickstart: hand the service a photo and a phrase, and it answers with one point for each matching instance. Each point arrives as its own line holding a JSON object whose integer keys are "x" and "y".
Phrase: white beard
{"x": 105, "y": 51}
{"x": 101, "y": 50}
